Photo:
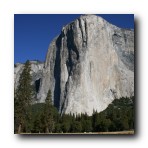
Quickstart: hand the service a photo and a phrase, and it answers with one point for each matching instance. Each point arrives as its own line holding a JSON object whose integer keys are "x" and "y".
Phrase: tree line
{"x": 44, "y": 117}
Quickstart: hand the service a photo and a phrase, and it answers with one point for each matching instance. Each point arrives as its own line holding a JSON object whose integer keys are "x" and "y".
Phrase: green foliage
{"x": 66, "y": 122}
{"x": 44, "y": 117}
{"x": 118, "y": 116}
{"x": 37, "y": 118}
{"x": 22, "y": 100}
{"x": 76, "y": 127}
{"x": 48, "y": 114}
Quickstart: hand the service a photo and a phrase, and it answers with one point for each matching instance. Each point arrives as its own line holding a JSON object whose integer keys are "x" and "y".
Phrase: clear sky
{"x": 34, "y": 32}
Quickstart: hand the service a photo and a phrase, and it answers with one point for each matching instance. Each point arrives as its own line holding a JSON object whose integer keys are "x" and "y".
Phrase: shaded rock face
{"x": 36, "y": 73}
{"x": 88, "y": 65}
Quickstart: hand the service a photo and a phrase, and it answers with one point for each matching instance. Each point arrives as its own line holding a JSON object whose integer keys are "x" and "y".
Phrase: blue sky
{"x": 34, "y": 32}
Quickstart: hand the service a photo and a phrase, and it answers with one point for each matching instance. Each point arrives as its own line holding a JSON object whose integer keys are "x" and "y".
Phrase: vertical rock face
{"x": 89, "y": 65}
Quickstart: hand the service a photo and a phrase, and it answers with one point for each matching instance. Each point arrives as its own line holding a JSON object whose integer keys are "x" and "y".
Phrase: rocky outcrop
{"x": 36, "y": 73}
{"x": 88, "y": 65}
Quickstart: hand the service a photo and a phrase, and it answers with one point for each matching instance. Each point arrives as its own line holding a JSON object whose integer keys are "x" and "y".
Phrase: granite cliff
{"x": 87, "y": 66}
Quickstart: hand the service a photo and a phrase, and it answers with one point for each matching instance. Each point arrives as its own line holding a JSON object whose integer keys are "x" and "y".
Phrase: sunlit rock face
{"x": 88, "y": 65}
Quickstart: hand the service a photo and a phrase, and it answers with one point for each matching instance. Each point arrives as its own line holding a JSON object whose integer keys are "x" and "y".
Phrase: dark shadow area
{"x": 57, "y": 74}
{"x": 95, "y": 137}
{"x": 73, "y": 57}
{"x": 73, "y": 54}
{"x": 37, "y": 85}
{"x": 136, "y": 77}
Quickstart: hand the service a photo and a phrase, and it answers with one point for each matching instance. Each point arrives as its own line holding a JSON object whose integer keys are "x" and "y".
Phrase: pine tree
{"x": 22, "y": 102}
{"x": 76, "y": 127}
{"x": 49, "y": 116}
